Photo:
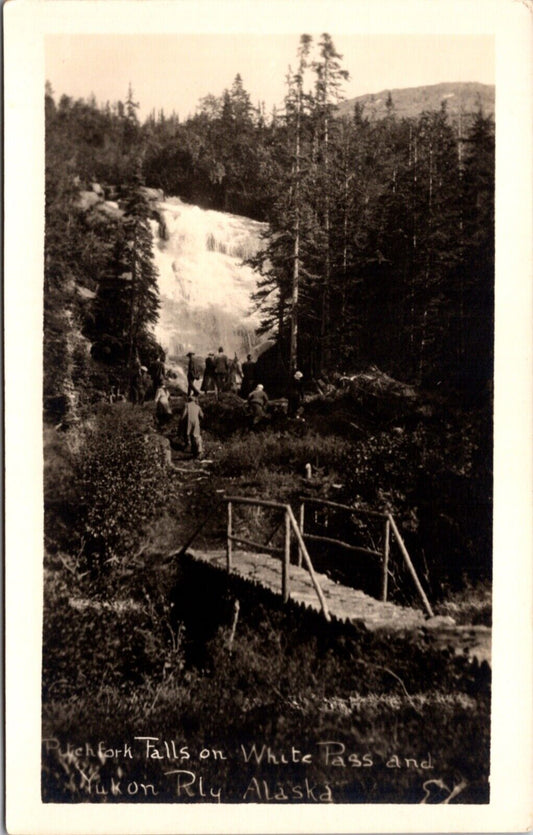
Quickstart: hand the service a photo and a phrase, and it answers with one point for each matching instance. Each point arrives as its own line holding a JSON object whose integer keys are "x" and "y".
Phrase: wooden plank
{"x": 270, "y": 549}
{"x": 410, "y": 566}
{"x": 355, "y": 510}
{"x": 256, "y": 502}
{"x": 302, "y": 522}
{"x": 229, "y": 537}
{"x": 331, "y": 541}
{"x": 386, "y": 547}
{"x": 286, "y": 560}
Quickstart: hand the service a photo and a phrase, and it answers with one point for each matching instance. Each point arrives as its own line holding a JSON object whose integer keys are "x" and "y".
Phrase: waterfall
{"x": 205, "y": 289}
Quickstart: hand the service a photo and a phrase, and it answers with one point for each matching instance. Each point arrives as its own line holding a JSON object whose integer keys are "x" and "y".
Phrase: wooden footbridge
{"x": 282, "y": 564}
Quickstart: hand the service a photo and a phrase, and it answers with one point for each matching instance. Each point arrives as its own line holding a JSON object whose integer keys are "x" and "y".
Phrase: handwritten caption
{"x": 181, "y": 766}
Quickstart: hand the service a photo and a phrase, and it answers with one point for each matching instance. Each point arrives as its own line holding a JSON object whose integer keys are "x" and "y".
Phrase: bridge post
{"x": 410, "y": 565}
{"x": 302, "y": 522}
{"x": 286, "y": 559}
{"x": 386, "y": 547}
{"x": 229, "y": 543}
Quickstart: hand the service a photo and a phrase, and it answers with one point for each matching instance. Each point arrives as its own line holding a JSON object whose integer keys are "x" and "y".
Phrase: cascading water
{"x": 205, "y": 289}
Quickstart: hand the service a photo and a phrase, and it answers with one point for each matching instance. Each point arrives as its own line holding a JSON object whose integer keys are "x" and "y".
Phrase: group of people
{"x": 217, "y": 374}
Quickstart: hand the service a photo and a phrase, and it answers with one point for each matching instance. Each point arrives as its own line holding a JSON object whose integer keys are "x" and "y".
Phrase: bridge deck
{"x": 344, "y": 603}
{"x": 347, "y": 604}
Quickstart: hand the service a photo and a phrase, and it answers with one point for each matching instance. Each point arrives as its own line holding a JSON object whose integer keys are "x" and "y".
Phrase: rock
{"x": 97, "y": 188}
{"x": 438, "y": 621}
{"x": 155, "y": 194}
{"x": 111, "y": 209}
{"x": 87, "y": 200}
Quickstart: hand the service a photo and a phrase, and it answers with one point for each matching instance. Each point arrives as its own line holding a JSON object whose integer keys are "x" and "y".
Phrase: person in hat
{"x": 193, "y": 374}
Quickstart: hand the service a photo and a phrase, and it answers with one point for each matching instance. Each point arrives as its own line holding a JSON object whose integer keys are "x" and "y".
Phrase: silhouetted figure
{"x": 221, "y": 371}
{"x": 296, "y": 394}
{"x": 258, "y": 402}
{"x": 248, "y": 377}
{"x": 193, "y": 374}
{"x": 157, "y": 373}
{"x": 208, "y": 383}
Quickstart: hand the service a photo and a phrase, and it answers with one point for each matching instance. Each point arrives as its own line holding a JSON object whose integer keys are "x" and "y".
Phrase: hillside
{"x": 460, "y": 97}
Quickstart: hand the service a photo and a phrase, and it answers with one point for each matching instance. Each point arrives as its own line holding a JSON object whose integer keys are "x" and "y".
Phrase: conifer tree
{"x": 138, "y": 244}
{"x": 328, "y": 92}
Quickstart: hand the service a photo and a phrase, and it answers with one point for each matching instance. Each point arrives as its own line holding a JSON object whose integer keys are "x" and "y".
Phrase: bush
{"x": 122, "y": 483}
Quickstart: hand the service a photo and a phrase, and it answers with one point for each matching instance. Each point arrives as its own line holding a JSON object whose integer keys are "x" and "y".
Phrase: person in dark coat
{"x": 221, "y": 371}
{"x": 193, "y": 374}
{"x": 157, "y": 373}
{"x": 258, "y": 402}
{"x": 248, "y": 377}
{"x": 296, "y": 394}
{"x": 208, "y": 383}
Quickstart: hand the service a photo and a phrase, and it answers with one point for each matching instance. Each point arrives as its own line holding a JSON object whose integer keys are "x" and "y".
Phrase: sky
{"x": 172, "y": 72}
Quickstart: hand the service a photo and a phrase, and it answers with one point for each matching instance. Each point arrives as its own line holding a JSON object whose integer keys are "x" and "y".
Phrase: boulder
{"x": 110, "y": 209}
{"x": 88, "y": 199}
{"x": 153, "y": 194}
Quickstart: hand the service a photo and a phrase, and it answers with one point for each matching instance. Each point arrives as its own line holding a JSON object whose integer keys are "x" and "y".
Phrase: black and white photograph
{"x": 265, "y": 301}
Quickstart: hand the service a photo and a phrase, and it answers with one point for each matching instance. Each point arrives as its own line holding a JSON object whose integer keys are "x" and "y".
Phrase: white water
{"x": 205, "y": 289}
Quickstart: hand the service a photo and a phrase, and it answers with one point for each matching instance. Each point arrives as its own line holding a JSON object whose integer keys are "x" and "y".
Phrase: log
{"x": 410, "y": 565}
{"x": 308, "y": 563}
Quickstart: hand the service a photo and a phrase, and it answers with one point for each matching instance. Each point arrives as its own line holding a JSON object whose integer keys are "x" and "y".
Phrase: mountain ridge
{"x": 462, "y": 98}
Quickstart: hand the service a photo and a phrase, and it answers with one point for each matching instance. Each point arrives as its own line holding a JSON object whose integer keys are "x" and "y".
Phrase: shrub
{"x": 122, "y": 481}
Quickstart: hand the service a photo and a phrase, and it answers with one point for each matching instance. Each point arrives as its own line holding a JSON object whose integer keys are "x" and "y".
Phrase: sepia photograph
{"x": 267, "y": 418}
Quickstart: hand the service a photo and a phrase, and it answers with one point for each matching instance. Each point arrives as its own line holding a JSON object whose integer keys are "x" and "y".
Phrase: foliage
{"x": 122, "y": 483}
{"x": 285, "y": 680}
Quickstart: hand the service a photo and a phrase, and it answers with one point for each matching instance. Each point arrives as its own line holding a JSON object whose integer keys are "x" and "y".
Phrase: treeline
{"x": 381, "y": 232}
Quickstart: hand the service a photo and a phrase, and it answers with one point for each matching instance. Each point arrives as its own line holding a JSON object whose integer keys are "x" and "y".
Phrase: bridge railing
{"x": 290, "y": 528}
{"x": 389, "y": 525}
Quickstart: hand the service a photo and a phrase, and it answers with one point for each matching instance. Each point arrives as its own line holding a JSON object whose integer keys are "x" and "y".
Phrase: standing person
{"x": 163, "y": 409}
{"x": 248, "y": 377}
{"x": 192, "y": 413}
{"x": 135, "y": 381}
{"x": 157, "y": 372}
{"x": 193, "y": 374}
{"x": 221, "y": 371}
{"x": 296, "y": 394}
{"x": 258, "y": 402}
{"x": 145, "y": 383}
{"x": 235, "y": 373}
{"x": 208, "y": 383}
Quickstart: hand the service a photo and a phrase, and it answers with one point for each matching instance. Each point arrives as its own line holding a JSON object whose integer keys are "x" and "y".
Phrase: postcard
{"x": 268, "y": 416}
